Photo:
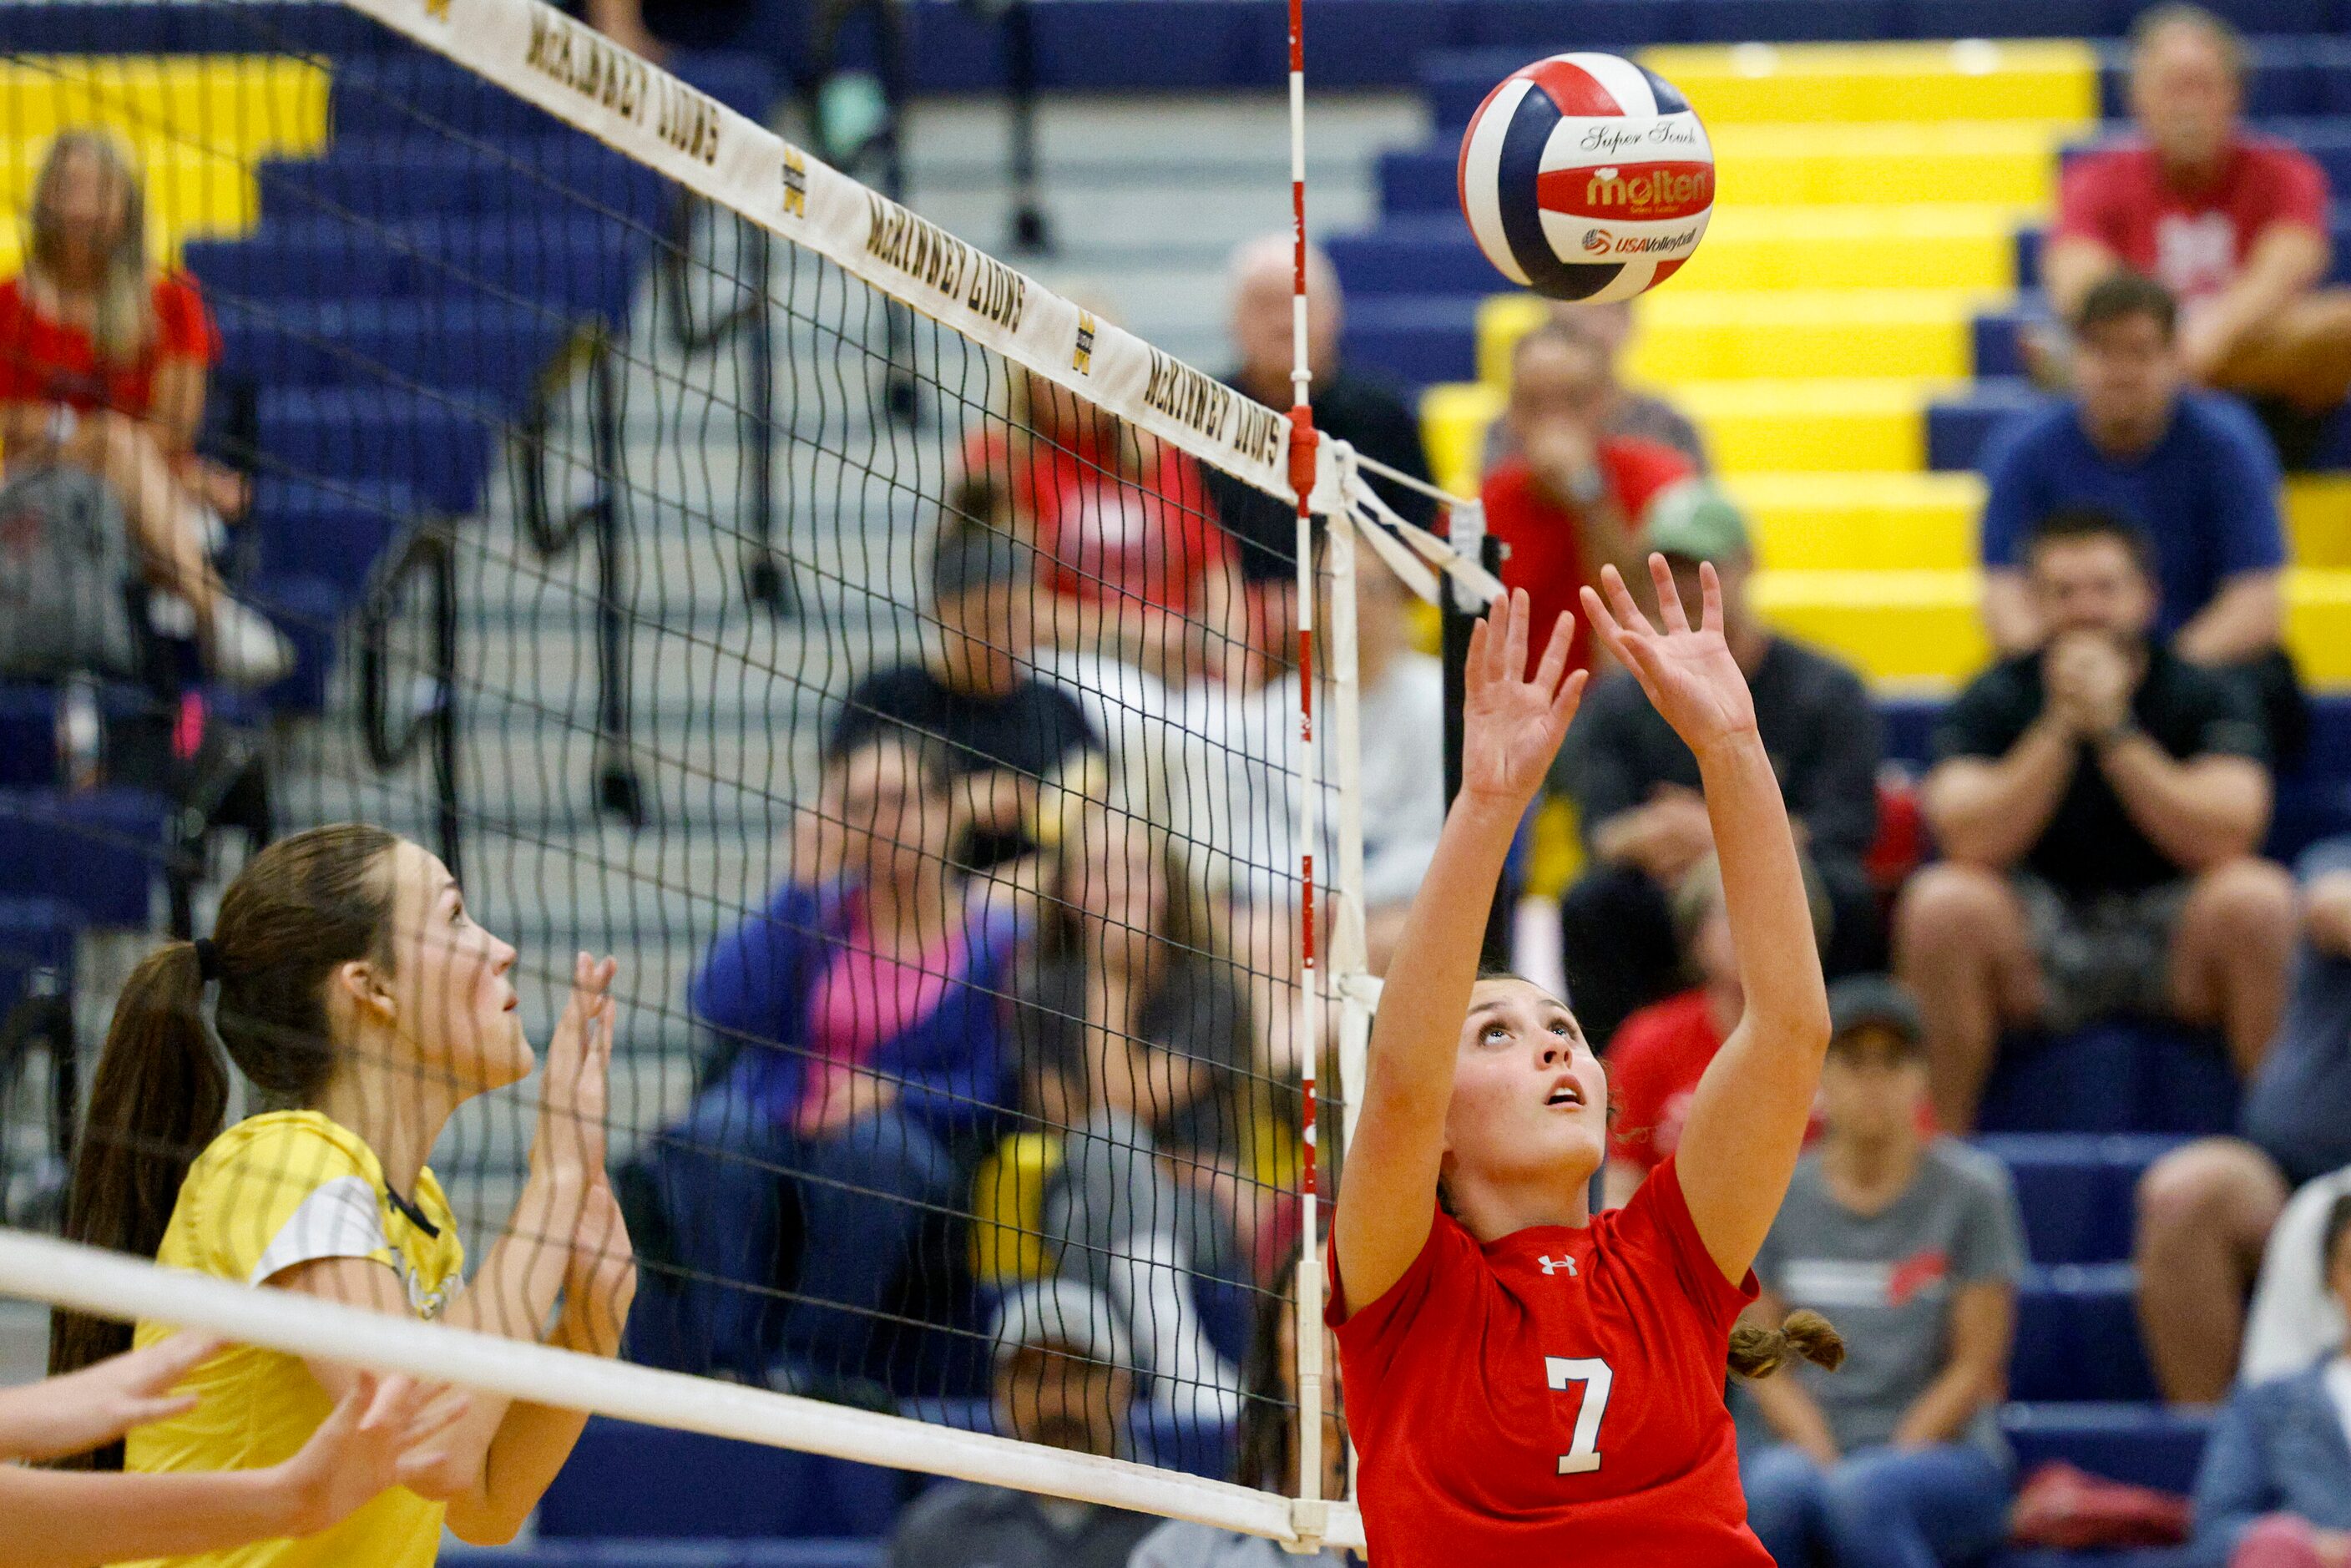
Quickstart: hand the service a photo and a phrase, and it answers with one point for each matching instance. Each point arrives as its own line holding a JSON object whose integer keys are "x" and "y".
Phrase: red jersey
{"x": 2192, "y": 242}
{"x": 1552, "y": 1398}
{"x": 1105, "y": 533}
{"x": 45, "y": 361}
{"x": 1546, "y": 555}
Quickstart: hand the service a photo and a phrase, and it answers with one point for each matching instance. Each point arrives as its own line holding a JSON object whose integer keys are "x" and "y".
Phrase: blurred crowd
{"x": 1031, "y": 987}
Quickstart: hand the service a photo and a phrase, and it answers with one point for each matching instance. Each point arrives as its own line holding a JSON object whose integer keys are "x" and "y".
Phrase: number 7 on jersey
{"x": 1583, "y": 1456}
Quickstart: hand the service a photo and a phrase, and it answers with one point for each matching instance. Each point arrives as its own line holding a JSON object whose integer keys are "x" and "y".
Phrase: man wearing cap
{"x": 1006, "y": 731}
{"x": 1912, "y": 1245}
{"x": 1636, "y": 786}
{"x": 1064, "y": 1379}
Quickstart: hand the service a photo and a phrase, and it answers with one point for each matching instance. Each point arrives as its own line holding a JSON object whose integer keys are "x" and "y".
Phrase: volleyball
{"x": 1586, "y": 176}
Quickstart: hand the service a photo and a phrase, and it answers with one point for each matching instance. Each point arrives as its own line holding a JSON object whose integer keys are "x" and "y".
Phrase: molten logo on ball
{"x": 1587, "y": 177}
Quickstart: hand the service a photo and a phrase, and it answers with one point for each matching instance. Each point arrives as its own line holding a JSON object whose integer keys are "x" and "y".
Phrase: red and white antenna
{"x": 1310, "y": 1511}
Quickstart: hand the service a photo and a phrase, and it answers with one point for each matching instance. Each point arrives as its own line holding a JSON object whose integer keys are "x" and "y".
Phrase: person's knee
{"x": 1951, "y": 907}
{"x": 2241, "y": 907}
{"x": 2223, "y": 1191}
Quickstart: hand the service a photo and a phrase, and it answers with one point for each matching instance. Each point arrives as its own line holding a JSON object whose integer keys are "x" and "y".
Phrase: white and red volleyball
{"x": 1586, "y": 176}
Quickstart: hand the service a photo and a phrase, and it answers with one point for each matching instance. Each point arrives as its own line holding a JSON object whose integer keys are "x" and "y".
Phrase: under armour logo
{"x": 1554, "y": 1265}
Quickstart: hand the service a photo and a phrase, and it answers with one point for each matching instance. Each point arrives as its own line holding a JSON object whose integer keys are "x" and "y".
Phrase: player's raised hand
{"x": 1512, "y": 722}
{"x": 574, "y": 1092}
{"x": 1688, "y": 671}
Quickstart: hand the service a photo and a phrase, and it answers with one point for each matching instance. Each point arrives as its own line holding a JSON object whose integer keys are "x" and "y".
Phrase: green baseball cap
{"x": 1694, "y": 519}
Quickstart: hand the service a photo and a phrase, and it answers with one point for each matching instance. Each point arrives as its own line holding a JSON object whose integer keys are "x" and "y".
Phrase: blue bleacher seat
{"x": 1423, "y": 253}
{"x": 2147, "y": 1445}
{"x": 2120, "y": 1075}
{"x": 391, "y": 179}
{"x": 2008, "y": 18}
{"x": 1549, "y": 27}
{"x": 97, "y": 851}
{"x": 2077, "y": 1189}
{"x": 2077, "y": 1336}
{"x": 1791, "y": 21}
{"x": 309, "y": 610}
{"x": 466, "y": 346}
{"x": 332, "y": 532}
{"x": 438, "y": 446}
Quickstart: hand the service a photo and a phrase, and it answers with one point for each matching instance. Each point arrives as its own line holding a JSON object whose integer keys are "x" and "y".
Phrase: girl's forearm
{"x": 1763, "y": 889}
{"x": 513, "y": 1295}
{"x": 58, "y": 1518}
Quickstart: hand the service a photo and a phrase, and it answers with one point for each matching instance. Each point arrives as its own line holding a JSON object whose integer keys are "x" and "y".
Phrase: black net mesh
{"x": 901, "y": 724}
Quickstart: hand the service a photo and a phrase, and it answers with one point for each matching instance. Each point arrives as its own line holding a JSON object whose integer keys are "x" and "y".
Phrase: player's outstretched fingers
{"x": 1554, "y": 653}
{"x": 1514, "y": 643}
{"x": 1709, "y": 585}
{"x": 1669, "y": 597}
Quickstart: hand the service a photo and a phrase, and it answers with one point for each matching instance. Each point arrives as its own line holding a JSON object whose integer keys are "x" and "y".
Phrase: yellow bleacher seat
{"x": 1687, "y": 335}
{"x": 1007, "y": 1206}
{"x": 1868, "y": 245}
{"x": 2318, "y": 521}
{"x": 238, "y": 105}
{"x": 1861, "y": 423}
{"x": 2318, "y": 624}
{"x": 2011, "y": 161}
{"x": 1862, "y": 522}
{"x": 1837, "y": 83}
{"x": 196, "y": 124}
{"x": 1918, "y": 628}
{"x": 1453, "y": 420}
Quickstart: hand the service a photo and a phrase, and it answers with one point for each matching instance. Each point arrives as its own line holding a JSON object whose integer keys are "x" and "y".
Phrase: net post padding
{"x": 88, "y": 1280}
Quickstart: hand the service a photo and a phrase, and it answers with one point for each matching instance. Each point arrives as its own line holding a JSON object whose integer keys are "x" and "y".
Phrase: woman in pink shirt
{"x": 859, "y": 1021}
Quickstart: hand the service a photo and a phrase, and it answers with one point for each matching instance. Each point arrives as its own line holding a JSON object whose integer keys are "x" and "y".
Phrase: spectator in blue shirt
{"x": 862, "y": 1012}
{"x": 2275, "y": 1488}
{"x": 2191, "y": 470}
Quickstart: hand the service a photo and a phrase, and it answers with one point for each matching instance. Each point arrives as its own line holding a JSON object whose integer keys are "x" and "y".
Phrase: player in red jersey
{"x": 1529, "y": 1384}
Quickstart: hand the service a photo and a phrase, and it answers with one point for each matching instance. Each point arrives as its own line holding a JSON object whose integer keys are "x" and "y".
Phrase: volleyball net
{"x": 907, "y": 674}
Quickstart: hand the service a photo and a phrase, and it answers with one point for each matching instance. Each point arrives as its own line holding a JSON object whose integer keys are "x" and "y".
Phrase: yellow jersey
{"x": 270, "y": 1193}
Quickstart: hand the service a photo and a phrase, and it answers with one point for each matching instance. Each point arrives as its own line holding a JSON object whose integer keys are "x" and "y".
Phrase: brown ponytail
{"x": 1758, "y": 1352}
{"x": 300, "y": 908}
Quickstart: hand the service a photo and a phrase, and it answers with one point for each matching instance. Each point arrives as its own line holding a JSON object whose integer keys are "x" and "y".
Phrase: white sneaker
{"x": 245, "y": 650}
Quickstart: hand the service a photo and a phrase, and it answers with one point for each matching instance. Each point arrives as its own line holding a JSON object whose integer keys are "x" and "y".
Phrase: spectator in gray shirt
{"x": 1913, "y": 1245}
{"x": 1064, "y": 1378}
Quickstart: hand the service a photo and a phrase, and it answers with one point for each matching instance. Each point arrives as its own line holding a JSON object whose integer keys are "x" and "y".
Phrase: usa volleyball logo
{"x": 1586, "y": 176}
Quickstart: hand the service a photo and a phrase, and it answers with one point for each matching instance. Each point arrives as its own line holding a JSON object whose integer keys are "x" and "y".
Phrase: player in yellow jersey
{"x": 364, "y": 1006}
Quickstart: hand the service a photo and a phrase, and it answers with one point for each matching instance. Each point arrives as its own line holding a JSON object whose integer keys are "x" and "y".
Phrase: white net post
{"x": 1310, "y": 1513}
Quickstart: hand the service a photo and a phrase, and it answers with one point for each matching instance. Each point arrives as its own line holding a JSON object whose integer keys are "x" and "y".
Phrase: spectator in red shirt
{"x": 2233, "y": 223}
{"x": 102, "y": 367}
{"x": 1568, "y": 504}
{"x": 1661, "y": 1051}
{"x": 1131, "y": 561}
